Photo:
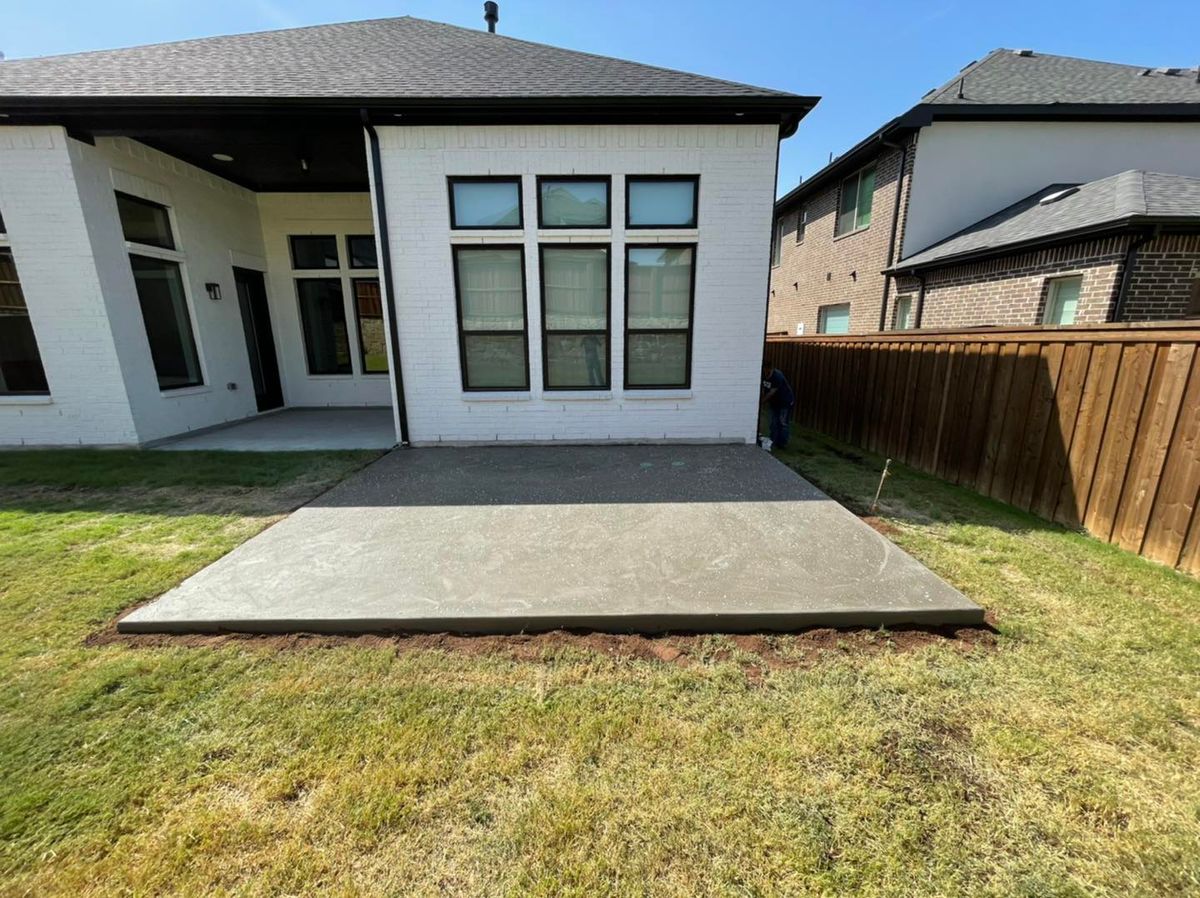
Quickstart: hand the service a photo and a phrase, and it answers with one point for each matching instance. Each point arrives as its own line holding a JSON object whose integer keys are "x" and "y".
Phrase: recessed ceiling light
{"x": 222, "y": 157}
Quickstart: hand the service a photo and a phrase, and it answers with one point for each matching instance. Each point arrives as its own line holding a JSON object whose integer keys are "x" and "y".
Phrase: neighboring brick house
{"x": 1000, "y": 130}
{"x": 499, "y": 241}
{"x": 1123, "y": 248}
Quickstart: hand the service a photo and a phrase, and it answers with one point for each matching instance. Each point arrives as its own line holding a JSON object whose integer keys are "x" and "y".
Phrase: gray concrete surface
{"x": 296, "y": 429}
{"x": 614, "y": 538}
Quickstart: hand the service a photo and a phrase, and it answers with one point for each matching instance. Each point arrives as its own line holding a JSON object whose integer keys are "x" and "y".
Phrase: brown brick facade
{"x": 823, "y": 269}
{"x": 1166, "y": 280}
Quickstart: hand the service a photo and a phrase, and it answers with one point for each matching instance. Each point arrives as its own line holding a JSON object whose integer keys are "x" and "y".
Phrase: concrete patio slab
{"x": 296, "y": 430}
{"x": 620, "y": 539}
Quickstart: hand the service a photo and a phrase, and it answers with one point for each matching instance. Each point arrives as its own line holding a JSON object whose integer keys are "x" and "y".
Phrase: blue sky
{"x": 868, "y": 60}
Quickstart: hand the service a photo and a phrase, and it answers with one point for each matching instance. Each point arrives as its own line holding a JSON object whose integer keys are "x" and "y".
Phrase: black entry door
{"x": 260, "y": 343}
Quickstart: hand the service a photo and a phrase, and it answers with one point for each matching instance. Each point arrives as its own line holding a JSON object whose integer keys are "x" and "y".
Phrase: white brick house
{"x": 500, "y": 240}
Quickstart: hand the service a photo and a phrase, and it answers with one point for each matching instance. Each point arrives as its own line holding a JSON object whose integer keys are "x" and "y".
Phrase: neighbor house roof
{"x": 1063, "y": 211}
{"x": 1022, "y": 84}
{"x": 396, "y": 59}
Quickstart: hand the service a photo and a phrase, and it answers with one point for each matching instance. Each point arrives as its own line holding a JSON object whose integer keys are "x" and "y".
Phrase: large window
{"x": 1062, "y": 300}
{"x": 660, "y": 283}
{"x": 168, "y": 324}
{"x": 20, "y": 362}
{"x": 323, "y": 320}
{"x": 854, "y": 207}
{"x": 485, "y": 203}
{"x": 573, "y": 202}
{"x": 493, "y": 341}
{"x": 834, "y": 319}
{"x": 661, "y": 201}
{"x": 313, "y": 252}
{"x": 575, "y": 303}
{"x": 145, "y": 222}
{"x": 372, "y": 342}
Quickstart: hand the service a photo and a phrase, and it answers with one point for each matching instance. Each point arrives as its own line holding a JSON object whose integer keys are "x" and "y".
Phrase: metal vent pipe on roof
{"x": 491, "y": 15}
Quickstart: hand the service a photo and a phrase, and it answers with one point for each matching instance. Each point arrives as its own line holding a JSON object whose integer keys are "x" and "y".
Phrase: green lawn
{"x": 1061, "y": 759}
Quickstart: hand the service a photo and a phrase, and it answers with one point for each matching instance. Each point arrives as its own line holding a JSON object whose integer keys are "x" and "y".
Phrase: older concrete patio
{"x": 295, "y": 430}
{"x": 630, "y": 538}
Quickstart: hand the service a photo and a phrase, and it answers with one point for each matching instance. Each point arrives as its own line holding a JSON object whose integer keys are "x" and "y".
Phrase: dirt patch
{"x": 754, "y": 651}
{"x": 879, "y": 525}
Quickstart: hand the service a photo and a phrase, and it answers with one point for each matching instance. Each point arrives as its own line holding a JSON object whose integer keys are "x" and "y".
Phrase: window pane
{"x": 776, "y": 242}
{"x": 576, "y": 360}
{"x": 1063, "y": 300}
{"x": 801, "y": 224}
{"x": 362, "y": 251}
{"x": 368, "y": 303}
{"x": 846, "y": 205}
{"x": 144, "y": 222}
{"x": 486, "y": 204}
{"x": 659, "y": 286}
{"x": 495, "y": 361}
{"x": 834, "y": 319}
{"x": 168, "y": 324}
{"x": 575, "y": 286}
{"x": 662, "y": 203}
{"x": 323, "y": 319}
{"x": 20, "y": 362}
{"x": 656, "y": 360}
{"x": 490, "y": 289}
{"x": 574, "y": 204}
{"x": 314, "y": 252}
{"x": 866, "y": 196}
{"x": 903, "y": 313}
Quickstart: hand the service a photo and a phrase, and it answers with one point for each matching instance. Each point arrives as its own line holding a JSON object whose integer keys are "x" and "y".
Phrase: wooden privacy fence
{"x": 1095, "y": 427}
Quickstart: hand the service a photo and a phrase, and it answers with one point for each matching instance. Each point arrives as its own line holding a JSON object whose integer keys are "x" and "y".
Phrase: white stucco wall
{"x": 965, "y": 171}
{"x": 736, "y": 165}
{"x": 340, "y": 215}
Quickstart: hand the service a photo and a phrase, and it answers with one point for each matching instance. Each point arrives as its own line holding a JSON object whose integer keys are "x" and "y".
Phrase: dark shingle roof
{"x": 1008, "y": 78}
{"x": 1124, "y": 198}
{"x": 399, "y": 58}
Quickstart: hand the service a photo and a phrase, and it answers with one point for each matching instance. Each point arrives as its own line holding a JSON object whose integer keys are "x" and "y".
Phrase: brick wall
{"x": 736, "y": 165}
{"x": 823, "y": 269}
{"x": 1166, "y": 280}
{"x": 1012, "y": 290}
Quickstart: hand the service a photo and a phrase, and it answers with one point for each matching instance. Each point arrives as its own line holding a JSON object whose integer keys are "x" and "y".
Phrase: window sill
{"x": 856, "y": 231}
{"x": 496, "y": 396}
{"x": 487, "y": 236}
{"x": 657, "y": 394}
{"x": 660, "y": 235}
{"x": 574, "y": 234}
{"x": 27, "y": 399}
{"x": 576, "y": 395}
{"x": 185, "y": 391}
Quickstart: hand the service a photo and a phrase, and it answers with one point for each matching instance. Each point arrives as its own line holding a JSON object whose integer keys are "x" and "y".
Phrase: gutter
{"x": 385, "y": 266}
{"x": 891, "y": 254}
{"x": 1127, "y": 267}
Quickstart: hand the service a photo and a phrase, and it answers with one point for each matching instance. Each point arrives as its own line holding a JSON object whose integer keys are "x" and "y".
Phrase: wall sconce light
{"x": 214, "y": 291}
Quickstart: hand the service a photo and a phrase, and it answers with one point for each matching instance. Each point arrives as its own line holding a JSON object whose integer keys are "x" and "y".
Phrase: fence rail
{"x": 1095, "y": 427}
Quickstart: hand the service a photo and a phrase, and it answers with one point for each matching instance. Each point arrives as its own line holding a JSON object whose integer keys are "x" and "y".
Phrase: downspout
{"x": 767, "y": 305}
{"x": 891, "y": 254}
{"x": 385, "y": 266}
{"x": 920, "y": 300}
{"x": 1130, "y": 263}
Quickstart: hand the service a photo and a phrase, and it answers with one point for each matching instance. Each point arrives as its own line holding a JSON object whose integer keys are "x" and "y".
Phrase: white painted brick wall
{"x": 736, "y": 165}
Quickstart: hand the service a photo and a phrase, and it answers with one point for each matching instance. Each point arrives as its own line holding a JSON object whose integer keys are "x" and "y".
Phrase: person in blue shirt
{"x": 779, "y": 398}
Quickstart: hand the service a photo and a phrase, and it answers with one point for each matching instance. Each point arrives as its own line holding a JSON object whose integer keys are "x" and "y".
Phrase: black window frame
{"x": 451, "y": 180}
{"x": 304, "y": 330}
{"x": 37, "y": 350}
{"x": 142, "y": 201}
{"x": 292, "y": 238}
{"x": 633, "y": 179}
{"x": 362, "y": 352}
{"x": 691, "y": 328}
{"x": 455, "y": 248}
{"x": 187, "y": 308}
{"x": 542, "y": 247}
{"x": 605, "y": 179}
{"x": 350, "y": 253}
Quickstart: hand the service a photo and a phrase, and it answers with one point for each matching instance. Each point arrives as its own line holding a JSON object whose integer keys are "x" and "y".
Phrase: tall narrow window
{"x": 168, "y": 323}
{"x": 1062, "y": 300}
{"x": 323, "y": 320}
{"x": 368, "y": 308}
{"x": 575, "y": 302}
{"x": 660, "y": 282}
{"x": 904, "y": 307}
{"x": 20, "y": 362}
{"x": 661, "y": 201}
{"x": 493, "y": 341}
{"x": 801, "y": 224}
{"x": 573, "y": 202}
{"x": 776, "y": 242}
{"x": 834, "y": 319}
{"x": 857, "y": 196}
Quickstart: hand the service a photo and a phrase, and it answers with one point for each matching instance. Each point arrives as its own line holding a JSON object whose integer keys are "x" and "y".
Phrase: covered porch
{"x": 295, "y": 430}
